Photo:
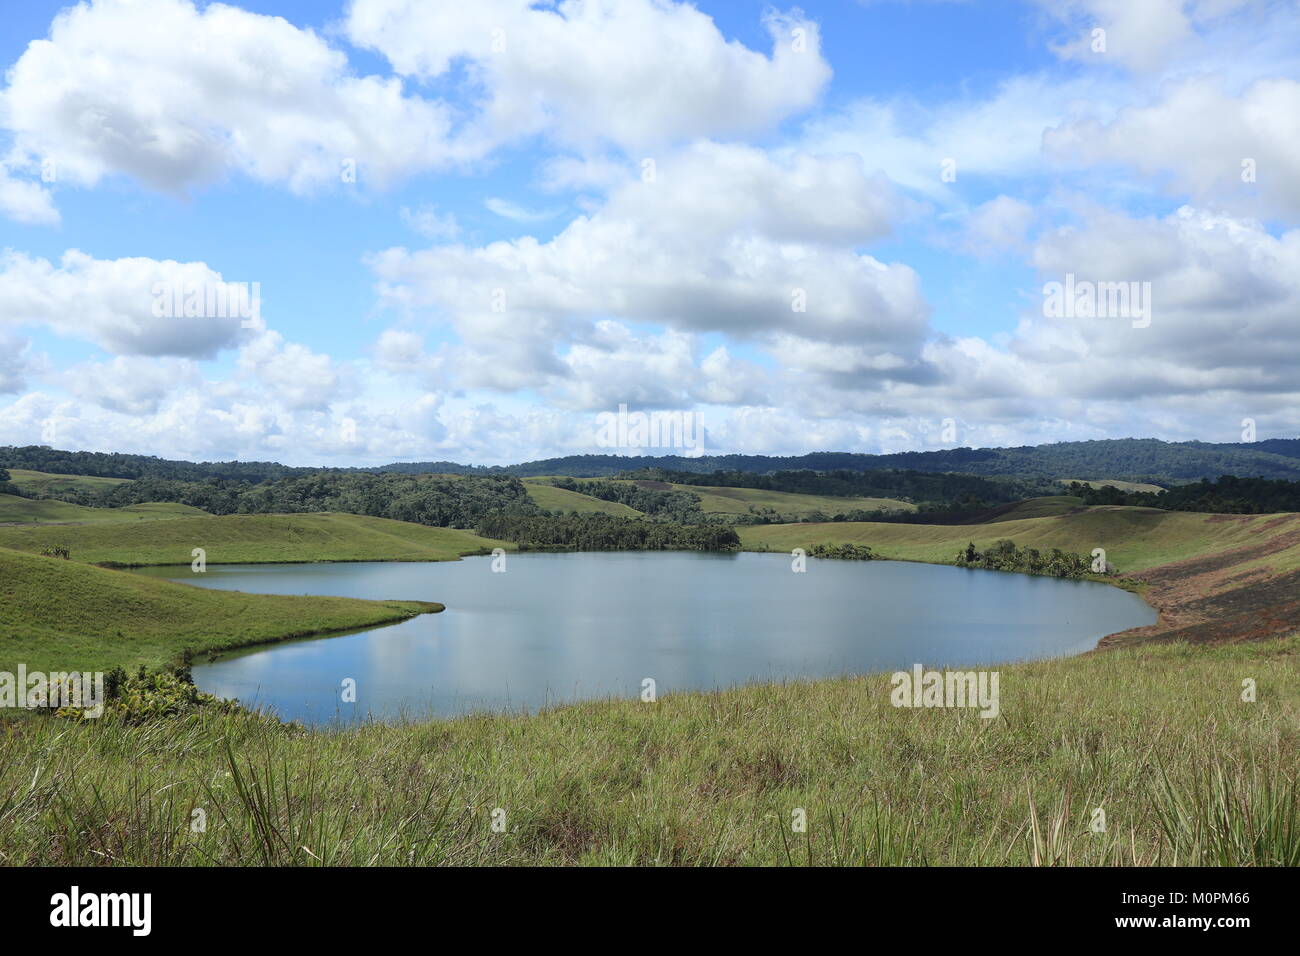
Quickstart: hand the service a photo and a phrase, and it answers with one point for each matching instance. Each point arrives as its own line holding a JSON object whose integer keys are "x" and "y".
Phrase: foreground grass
{"x": 251, "y": 539}
{"x": 1156, "y": 736}
{"x": 58, "y": 615}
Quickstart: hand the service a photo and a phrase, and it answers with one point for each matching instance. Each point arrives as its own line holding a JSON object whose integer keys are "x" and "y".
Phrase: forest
{"x": 1130, "y": 459}
{"x": 1228, "y": 495}
{"x": 600, "y": 532}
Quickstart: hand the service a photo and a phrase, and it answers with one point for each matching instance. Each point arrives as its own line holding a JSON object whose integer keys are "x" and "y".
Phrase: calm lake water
{"x": 560, "y": 627}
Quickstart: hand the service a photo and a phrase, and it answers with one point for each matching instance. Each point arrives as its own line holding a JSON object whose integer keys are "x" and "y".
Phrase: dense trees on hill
{"x": 438, "y": 500}
{"x": 114, "y": 465}
{"x": 600, "y": 532}
{"x": 1228, "y": 495}
{"x": 675, "y": 505}
{"x": 1134, "y": 459}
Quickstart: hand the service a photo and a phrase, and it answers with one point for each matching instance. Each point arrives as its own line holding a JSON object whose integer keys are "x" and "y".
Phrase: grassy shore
{"x": 250, "y": 539}
{"x": 1155, "y": 736}
{"x": 59, "y": 615}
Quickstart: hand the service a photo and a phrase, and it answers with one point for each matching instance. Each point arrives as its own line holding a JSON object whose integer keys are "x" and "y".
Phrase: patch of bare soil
{"x": 1212, "y": 599}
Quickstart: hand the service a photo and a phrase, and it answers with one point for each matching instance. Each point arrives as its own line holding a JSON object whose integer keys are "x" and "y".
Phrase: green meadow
{"x": 1135, "y": 539}
{"x": 58, "y": 615}
{"x": 248, "y": 539}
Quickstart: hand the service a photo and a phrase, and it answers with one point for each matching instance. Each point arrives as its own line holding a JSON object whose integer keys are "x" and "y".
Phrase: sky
{"x": 474, "y": 232}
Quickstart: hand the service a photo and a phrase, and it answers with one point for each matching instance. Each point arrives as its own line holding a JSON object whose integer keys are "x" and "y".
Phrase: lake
{"x": 554, "y": 628}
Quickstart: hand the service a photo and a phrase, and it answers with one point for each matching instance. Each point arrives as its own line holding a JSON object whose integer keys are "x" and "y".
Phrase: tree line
{"x": 1228, "y": 495}
{"x": 600, "y": 532}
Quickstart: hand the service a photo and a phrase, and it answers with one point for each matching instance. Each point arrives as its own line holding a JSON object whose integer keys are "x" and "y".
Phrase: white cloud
{"x": 178, "y": 97}
{"x": 111, "y": 302}
{"x": 428, "y": 222}
{"x": 636, "y": 73}
{"x": 998, "y": 225}
{"x": 1204, "y": 139}
{"x": 725, "y": 238}
{"x": 515, "y": 212}
{"x": 26, "y": 201}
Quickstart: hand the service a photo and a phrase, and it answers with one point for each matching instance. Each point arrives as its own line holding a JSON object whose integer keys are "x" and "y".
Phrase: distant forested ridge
{"x": 1127, "y": 459}
{"x": 1228, "y": 495}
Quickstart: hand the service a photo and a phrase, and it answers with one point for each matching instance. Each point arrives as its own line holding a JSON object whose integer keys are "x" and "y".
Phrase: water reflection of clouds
{"x": 555, "y": 627}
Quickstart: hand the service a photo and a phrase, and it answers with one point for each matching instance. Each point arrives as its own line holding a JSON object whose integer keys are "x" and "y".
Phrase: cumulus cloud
{"x": 176, "y": 97}
{"x": 721, "y": 238}
{"x": 636, "y": 74}
{"x": 114, "y": 303}
{"x": 26, "y": 201}
{"x": 1239, "y": 151}
{"x": 999, "y": 225}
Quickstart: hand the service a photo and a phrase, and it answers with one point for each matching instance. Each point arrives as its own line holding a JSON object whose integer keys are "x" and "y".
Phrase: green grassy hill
{"x": 46, "y": 483}
{"x": 250, "y": 539}
{"x": 551, "y": 498}
{"x": 15, "y": 510}
{"x": 1121, "y": 485}
{"x": 1134, "y": 538}
{"x": 733, "y": 501}
{"x": 58, "y": 615}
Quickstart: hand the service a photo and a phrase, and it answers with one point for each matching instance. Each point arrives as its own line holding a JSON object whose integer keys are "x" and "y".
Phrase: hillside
{"x": 58, "y": 615}
{"x": 250, "y": 539}
{"x": 739, "y": 501}
{"x": 1212, "y": 577}
{"x": 545, "y": 495}
{"x": 15, "y": 510}
{"x": 46, "y": 483}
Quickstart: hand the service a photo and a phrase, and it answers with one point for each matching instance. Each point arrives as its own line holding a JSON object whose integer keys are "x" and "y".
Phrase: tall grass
{"x": 1157, "y": 737}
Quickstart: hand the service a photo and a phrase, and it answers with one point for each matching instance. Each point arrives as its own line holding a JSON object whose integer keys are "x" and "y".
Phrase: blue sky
{"x": 205, "y": 143}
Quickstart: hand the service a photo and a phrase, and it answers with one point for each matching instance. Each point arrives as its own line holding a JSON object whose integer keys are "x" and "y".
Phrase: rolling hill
{"x": 249, "y": 539}
{"x": 15, "y": 510}
{"x": 547, "y": 496}
{"x": 58, "y": 615}
{"x": 739, "y": 501}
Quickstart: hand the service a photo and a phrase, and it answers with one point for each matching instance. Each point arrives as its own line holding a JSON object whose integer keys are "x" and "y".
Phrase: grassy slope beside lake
{"x": 58, "y": 615}
{"x": 251, "y": 539}
{"x": 1211, "y": 577}
{"x": 1157, "y": 736}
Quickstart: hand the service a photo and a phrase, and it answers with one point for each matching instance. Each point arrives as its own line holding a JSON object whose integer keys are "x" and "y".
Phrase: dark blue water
{"x": 560, "y": 627}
